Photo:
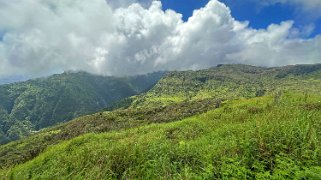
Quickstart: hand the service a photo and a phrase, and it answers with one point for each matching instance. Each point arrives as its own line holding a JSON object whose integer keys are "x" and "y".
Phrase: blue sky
{"x": 259, "y": 17}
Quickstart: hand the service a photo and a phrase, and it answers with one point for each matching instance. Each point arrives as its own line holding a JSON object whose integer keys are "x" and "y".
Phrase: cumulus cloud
{"x": 124, "y": 38}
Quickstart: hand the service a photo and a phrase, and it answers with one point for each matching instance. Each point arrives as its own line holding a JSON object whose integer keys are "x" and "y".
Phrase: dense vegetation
{"x": 26, "y": 149}
{"x": 246, "y": 123}
{"x": 261, "y": 138}
{"x": 39, "y": 103}
{"x": 230, "y": 82}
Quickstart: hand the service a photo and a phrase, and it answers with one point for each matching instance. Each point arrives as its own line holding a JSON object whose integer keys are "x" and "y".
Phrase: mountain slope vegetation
{"x": 25, "y": 149}
{"x": 230, "y": 82}
{"x": 231, "y": 121}
{"x": 43, "y": 102}
{"x": 259, "y": 138}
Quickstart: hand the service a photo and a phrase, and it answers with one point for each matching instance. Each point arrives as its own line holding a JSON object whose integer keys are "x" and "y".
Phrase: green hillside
{"x": 39, "y": 103}
{"x": 25, "y": 149}
{"x": 258, "y": 138}
{"x": 231, "y": 121}
{"x": 230, "y": 82}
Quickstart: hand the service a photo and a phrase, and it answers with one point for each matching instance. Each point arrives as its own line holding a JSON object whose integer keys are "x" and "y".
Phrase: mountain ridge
{"x": 42, "y": 102}
{"x": 225, "y": 82}
{"x": 179, "y": 111}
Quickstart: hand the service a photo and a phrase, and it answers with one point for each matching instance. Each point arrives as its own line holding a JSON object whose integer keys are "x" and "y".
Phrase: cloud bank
{"x": 40, "y": 37}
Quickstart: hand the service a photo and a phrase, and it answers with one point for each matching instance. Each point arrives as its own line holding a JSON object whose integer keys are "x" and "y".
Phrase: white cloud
{"x": 312, "y": 8}
{"x": 126, "y": 3}
{"x": 305, "y": 4}
{"x": 273, "y": 47}
{"x": 46, "y": 36}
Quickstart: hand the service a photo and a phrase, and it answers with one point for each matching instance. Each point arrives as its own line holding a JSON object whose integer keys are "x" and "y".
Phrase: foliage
{"x": 280, "y": 141}
{"x": 26, "y": 149}
{"x": 230, "y": 82}
{"x": 247, "y": 123}
{"x": 47, "y": 101}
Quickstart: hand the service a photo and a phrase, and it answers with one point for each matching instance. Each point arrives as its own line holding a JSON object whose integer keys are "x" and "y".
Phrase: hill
{"x": 230, "y": 82}
{"x": 232, "y": 121}
{"x": 258, "y": 138}
{"x": 36, "y": 104}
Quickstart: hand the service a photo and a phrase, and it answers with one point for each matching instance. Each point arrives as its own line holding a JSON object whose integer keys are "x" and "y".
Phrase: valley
{"x": 229, "y": 121}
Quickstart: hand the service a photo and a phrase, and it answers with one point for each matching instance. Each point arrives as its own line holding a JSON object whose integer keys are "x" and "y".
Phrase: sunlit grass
{"x": 258, "y": 138}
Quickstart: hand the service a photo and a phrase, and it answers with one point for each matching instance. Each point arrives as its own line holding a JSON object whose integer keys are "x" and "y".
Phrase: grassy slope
{"x": 256, "y": 138}
{"x": 187, "y": 90}
{"x": 26, "y": 149}
{"x": 229, "y": 81}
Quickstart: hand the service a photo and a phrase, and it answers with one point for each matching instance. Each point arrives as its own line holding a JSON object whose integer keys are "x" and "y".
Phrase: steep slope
{"x": 260, "y": 138}
{"x": 229, "y": 82}
{"x": 44, "y": 102}
{"x": 182, "y": 94}
{"x": 25, "y": 149}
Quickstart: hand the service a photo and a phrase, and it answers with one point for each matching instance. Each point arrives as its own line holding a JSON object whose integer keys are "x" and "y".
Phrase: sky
{"x": 128, "y": 37}
{"x": 261, "y": 15}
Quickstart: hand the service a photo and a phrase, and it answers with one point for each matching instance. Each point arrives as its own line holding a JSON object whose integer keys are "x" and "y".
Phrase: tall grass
{"x": 245, "y": 139}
